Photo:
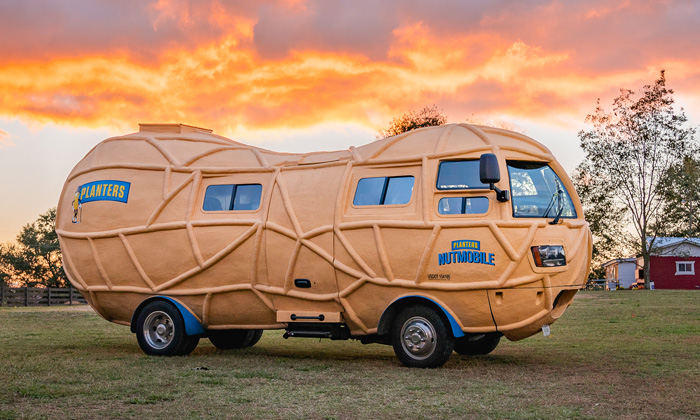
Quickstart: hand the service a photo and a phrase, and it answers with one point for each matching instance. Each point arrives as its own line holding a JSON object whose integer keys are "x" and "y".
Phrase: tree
{"x": 36, "y": 257}
{"x": 5, "y": 278}
{"x": 628, "y": 151}
{"x": 497, "y": 123}
{"x": 426, "y": 117}
{"x": 681, "y": 197}
{"x": 607, "y": 220}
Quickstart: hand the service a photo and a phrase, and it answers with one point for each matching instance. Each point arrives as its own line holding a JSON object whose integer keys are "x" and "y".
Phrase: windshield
{"x": 538, "y": 192}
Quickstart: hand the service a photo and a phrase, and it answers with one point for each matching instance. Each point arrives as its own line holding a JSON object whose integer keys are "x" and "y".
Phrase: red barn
{"x": 674, "y": 264}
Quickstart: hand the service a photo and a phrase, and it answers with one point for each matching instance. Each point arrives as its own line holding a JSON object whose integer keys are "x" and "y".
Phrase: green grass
{"x": 613, "y": 355}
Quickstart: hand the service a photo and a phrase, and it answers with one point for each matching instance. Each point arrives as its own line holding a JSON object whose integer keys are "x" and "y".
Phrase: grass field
{"x": 613, "y": 355}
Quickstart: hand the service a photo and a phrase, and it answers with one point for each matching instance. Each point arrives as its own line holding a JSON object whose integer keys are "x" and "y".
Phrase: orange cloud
{"x": 229, "y": 68}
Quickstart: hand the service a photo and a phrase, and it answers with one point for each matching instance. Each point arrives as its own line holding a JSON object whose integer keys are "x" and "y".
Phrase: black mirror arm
{"x": 501, "y": 195}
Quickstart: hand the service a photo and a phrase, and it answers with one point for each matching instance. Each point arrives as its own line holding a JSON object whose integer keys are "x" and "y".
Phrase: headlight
{"x": 549, "y": 255}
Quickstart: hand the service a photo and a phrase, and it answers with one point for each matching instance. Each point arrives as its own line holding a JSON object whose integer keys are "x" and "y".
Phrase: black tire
{"x": 160, "y": 331}
{"x": 234, "y": 339}
{"x": 421, "y": 338}
{"x": 472, "y": 345}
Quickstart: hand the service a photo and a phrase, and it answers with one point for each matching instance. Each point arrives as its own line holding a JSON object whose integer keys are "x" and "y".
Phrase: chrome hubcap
{"x": 418, "y": 337}
{"x": 158, "y": 329}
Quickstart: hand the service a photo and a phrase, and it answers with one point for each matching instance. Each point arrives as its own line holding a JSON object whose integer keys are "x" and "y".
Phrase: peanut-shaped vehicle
{"x": 439, "y": 239}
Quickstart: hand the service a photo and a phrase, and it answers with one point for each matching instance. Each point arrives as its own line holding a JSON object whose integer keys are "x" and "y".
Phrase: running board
{"x": 308, "y": 334}
{"x": 317, "y": 330}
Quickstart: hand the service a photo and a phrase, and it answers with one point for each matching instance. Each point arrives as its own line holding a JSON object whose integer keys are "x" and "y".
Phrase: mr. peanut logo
{"x": 99, "y": 191}
{"x": 77, "y": 207}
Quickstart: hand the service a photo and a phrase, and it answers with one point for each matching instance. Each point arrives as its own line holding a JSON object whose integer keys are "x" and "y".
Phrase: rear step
{"x": 316, "y": 330}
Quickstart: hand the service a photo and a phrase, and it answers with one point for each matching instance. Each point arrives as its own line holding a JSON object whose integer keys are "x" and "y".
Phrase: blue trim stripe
{"x": 192, "y": 325}
{"x": 456, "y": 330}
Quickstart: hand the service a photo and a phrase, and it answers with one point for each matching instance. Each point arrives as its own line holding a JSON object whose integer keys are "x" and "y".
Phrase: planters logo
{"x": 472, "y": 256}
{"x": 99, "y": 191}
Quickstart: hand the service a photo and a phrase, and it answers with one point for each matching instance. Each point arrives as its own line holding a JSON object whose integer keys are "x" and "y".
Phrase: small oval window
{"x": 463, "y": 205}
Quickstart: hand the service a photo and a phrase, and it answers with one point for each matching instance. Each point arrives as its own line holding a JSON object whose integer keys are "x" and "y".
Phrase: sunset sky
{"x": 313, "y": 75}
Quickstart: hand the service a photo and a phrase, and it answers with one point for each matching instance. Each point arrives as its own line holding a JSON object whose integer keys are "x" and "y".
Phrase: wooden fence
{"x": 40, "y": 296}
{"x": 603, "y": 284}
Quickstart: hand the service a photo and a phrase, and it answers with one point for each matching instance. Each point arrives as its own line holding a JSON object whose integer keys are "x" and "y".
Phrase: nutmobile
{"x": 437, "y": 240}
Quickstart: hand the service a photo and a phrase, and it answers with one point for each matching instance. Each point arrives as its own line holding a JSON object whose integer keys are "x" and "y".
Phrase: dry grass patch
{"x": 616, "y": 355}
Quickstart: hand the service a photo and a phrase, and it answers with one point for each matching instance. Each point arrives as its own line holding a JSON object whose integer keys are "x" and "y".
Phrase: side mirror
{"x": 490, "y": 173}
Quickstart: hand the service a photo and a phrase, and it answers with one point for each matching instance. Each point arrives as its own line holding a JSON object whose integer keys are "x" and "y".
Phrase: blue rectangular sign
{"x": 105, "y": 191}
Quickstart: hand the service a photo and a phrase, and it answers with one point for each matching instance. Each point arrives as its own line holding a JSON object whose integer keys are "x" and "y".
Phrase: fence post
{"x": 49, "y": 296}
{"x": 26, "y": 296}
{"x": 2, "y": 295}
{"x": 70, "y": 295}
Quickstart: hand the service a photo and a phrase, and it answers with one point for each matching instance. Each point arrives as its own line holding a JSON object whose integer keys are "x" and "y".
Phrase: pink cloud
{"x": 297, "y": 63}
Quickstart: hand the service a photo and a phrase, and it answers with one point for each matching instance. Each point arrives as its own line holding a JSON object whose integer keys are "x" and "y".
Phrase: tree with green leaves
{"x": 681, "y": 195}
{"x": 607, "y": 219}
{"x": 5, "y": 278}
{"x": 426, "y": 117}
{"x": 628, "y": 151}
{"x": 36, "y": 257}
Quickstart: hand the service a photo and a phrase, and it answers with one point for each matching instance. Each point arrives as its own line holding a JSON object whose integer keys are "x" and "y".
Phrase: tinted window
{"x": 247, "y": 197}
{"x": 383, "y": 190}
{"x": 232, "y": 197}
{"x": 218, "y": 197}
{"x": 369, "y": 191}
{"x": 538, "y": 191}
{"x": 458, "y": 175}
{"x": 463, "y": 205}
{"x": 399, "y": 190}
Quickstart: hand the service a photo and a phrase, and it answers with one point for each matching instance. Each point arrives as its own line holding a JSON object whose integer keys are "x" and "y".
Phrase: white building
{"x": 623, "y": 270}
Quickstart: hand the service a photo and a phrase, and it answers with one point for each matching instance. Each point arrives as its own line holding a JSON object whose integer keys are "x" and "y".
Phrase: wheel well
{"x": 384, "y": 327}
{"x": 192, "y": 324}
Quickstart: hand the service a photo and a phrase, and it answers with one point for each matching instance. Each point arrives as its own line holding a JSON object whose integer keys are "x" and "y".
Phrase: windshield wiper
{"x": 551, "y": 201}
{"x": 559, "y": 195}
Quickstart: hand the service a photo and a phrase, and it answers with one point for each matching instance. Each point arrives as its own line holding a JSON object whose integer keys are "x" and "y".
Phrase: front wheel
{"x": 420, "y": 337}
{"x": 160, "y": 331}
{"x": 234, "y": 339}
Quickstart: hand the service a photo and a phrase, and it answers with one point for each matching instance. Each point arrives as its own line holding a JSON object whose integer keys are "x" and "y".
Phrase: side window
{"x": 459, "y": 175}
{"x": 463, "y": 205}
{"x": 232, "y": 197}
{"x": 383, "y": 191}
{"x": 247, "y": 197}
{"x": 685, "y": 268}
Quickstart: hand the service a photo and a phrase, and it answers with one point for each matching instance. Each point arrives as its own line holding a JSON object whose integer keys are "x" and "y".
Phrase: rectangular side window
{"x": 463, "y": 205}
{"x": 218, "y": 197}
{"x": 369, "y": 191}
{"x": 234, "y": 197}
{"x": 685, "y": 268}
{"x": 459, "y": 175}
{"x": 398, "y": 190}
{"x": 247, "y": 197}
{"x": 383, "y": 191}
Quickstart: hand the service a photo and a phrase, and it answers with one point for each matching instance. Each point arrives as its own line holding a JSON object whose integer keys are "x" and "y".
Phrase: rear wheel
{"x": 160, "y": 331}
{"x": 420, "y": 337}
{"x": 479, "y": 344}
{"x": 234, "y": 339}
